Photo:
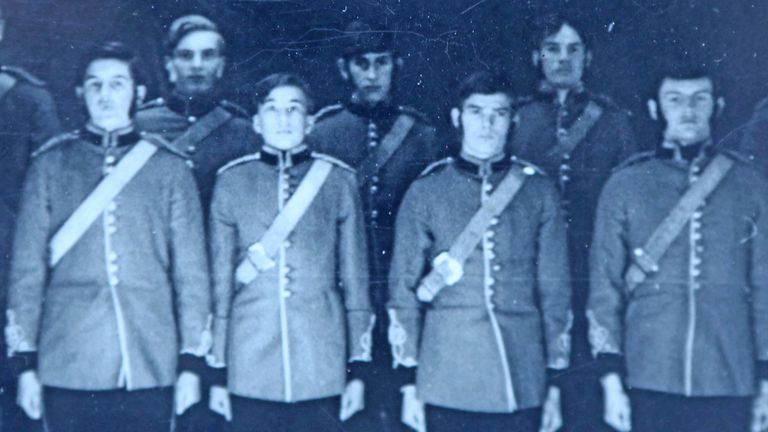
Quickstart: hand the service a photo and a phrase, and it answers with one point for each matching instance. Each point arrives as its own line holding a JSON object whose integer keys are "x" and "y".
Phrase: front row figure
{"x": 292, "y": 315}
{"x": 108, "y": 305}
{"x": 480, "y": 294}
{"x": 679, "y": 276}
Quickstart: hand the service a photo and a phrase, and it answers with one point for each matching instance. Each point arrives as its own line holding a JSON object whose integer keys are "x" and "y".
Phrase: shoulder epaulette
{"x": 635, "y": 159}
{"x": 238, "y": 161}
{"x": 606, "y": 101}
{"x": 435, "y": 165}
{"x": 737, "y": 155}
{"x": 332, "y": 160}
{"x": 234, "y": 108}
{"x": 55, "y": 141}
{"x": 23, "y": 75}
{"x": 154, "y": 103}
{"x": 411, "y": 111}
{"x": 160, "y": 142}
{"x": 528, "y": 167}
{"x": 326, "y": 111}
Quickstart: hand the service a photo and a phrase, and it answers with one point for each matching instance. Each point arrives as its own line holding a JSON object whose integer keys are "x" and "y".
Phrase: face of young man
{"x": 484, "y": 120}
{"x": 196, "y": 64}
{"x": 108, "y": 91}
{"x": 371, "y": 74}
{"x": 687, "y": 106}
{"x": 282, "y": 118}
{"x": 563, "y": 57}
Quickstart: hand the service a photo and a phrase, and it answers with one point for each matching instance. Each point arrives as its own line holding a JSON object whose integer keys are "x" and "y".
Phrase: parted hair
{"x": 262, "y": 89}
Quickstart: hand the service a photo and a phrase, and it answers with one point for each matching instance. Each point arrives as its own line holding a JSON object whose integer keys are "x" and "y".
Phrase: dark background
{"x": 441, "y": 42}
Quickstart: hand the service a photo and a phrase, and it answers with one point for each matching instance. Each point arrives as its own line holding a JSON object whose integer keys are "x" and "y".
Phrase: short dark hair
{"x": 484, "y": 82}
{"x": 114, "y": 50}
{"x": 183, "y": 26}
{"x": 546, "y": 25}
{"x": 685, "y": 68}
{"x": 263, "y": 88}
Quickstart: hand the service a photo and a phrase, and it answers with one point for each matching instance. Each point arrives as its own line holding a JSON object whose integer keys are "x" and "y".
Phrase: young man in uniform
{"x": 197, "y": 121}
{"x": 27, "y": 119}
{"x": 679, "y": 283}
{"x": 389, "y": 145}
{"x": 291, "y": 300}
{"x": 577, "y": 136}
{"x": 480, "y": 294}
{"x": 108, "y": 269}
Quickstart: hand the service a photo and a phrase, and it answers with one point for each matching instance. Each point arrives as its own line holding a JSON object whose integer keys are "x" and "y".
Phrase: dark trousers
{"x": 663, "y": 412}
{"x": 450, "y": 420}
{"x": 113, "y": 410}
{"x": 254, "y": 415}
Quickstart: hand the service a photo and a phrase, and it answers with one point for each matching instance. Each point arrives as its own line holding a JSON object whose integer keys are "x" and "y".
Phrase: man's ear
{"x": 720, "y": 104}
{"x": 220, "y": 69}
{"x": 256, "y": 123}
{"x": 587, "y": 59}
{"x": 399, "y": 62}
{"x": 456, "y": 117}
{"x": 141, "y": 94}
{"x": 79, "y": 92}
{"x": 341, "y": 65}
{"x": 310, "y": 124}
{"x": 653, "y": 109}
{"x": 536, "y": 58}
{"x": 2, "y": 28}
{"x": 172, "y": 77}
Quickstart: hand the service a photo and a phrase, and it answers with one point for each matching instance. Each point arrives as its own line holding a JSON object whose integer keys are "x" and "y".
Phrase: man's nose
{"x": 372, "y": 73}
{"x": 197, "y": 60}
{"x": 489, "y": 120}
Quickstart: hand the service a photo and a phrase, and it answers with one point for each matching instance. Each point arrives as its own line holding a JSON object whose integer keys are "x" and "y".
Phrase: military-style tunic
{"x": 754, "y": 137}
{"x": 697, "y": 326}
{"x": 288, "y": 335}
{"x": 351, "y": 132}
{"x": 27, "y": 119}
{"x": 133, "y": 293}
{"x": 485, "y": 343}
{"x": 222, "y": 132}
{"x": 580, "y": 174}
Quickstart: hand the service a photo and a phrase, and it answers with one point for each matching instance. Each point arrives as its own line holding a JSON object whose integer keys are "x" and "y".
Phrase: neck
{"x": 276, "y": 150}
{"x": 562, "y": 95}
{"x": 474, "y": 156}
{"x": 112, "y": 124}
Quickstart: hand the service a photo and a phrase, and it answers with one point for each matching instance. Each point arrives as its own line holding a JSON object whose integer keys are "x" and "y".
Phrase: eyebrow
{"x": 89, "y": 77}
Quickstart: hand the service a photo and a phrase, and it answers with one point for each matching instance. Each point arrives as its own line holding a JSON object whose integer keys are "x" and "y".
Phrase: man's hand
{"x": 618, "y": 413}
{"x": 219, "y": 402}
{"x": 760, "y": 409}
{"x": 353, "y": 399}
{"x": 30, "y": 395}
{"x": 551, "y": 416}
{"x": 187, "y": 391}
{"x": 413, "y": 410}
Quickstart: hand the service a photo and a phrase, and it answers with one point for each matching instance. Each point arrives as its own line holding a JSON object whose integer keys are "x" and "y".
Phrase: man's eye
{"x": 210, "y": 55}
{"x": 362, "y": 64}
{"x": 383, "y": 61}
{"x": 184, "y": 55}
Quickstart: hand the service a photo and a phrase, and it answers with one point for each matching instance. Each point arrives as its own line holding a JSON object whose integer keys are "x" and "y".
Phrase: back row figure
{"x": 187, "y": 263}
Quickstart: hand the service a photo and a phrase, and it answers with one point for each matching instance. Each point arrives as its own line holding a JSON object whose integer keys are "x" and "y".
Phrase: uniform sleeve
{"x": 189, "y": 266}
{"x": 223, "y": 247}
{"x": 45, "y": 119}
{"x": 759, "y": 274}
{"x": 554, "y": 281}
{"x": 29, "y": 263}
{"x": 409, "y": 263}
{"x": 352, "y": 253}
{"x": 608, "y": 261}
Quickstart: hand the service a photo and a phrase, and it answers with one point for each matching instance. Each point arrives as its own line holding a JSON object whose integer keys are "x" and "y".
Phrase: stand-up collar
{"x": 482, "y": 167}
{"x": 576, "y": 95}
{"x": 685, "y": 154}
{"x": 197, "y": 106}
{"x": 115, "y": 138}
{"x": 285, "y": 158}
{"x": 384, "y": 109}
